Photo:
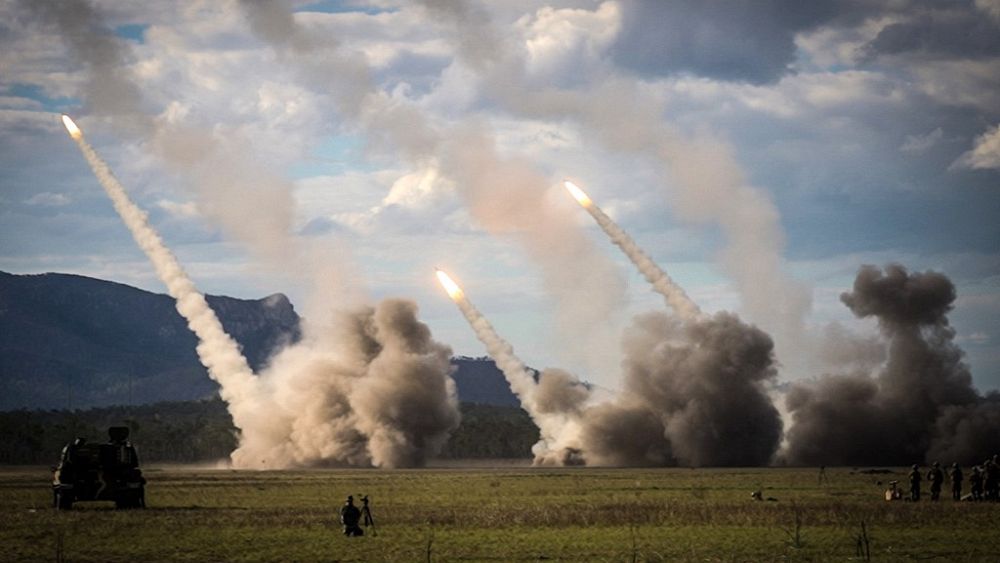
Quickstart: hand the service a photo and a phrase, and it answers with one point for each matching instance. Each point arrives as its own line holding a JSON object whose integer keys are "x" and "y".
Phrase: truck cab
{"x": 91, "y": 471}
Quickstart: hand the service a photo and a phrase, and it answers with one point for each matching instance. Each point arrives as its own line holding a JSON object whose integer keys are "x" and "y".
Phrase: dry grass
{"x": 503, "y": 514}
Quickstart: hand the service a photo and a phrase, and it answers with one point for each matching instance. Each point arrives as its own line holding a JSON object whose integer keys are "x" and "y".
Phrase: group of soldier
{"x": 984, "y": 481}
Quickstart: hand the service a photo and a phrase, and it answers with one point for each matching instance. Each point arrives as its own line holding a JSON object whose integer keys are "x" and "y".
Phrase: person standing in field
{"x": 936, "y": 477}
{"x": 915, "y": 479}
{"x": 956, "y": 481}
{"x": 350, "y": 515}
{"x": 991, "y": 479}
{"x": 976, "y": 483}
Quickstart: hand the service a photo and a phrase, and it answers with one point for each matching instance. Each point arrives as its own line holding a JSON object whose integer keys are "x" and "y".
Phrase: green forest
{"x": 202, "y": 431}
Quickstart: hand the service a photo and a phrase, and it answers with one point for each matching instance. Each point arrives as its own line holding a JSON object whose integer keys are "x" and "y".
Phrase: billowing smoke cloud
{"x": 694, "y": 388}
{"x": 967, "y": 433}
{"x": 370, "y": 390}
{"x": 694, "y": 395}
{"x": 920, "y": 406}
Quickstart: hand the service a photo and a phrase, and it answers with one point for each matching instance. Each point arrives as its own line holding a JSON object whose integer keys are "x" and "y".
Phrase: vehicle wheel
{"x": 124, "y": 501}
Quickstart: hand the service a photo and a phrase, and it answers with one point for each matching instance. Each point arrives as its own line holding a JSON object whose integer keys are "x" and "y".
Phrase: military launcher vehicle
{"x": 108, "y": 471}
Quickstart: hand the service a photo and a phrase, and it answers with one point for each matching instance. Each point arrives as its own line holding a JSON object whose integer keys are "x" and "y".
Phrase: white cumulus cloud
{"x": 985, "y": 152}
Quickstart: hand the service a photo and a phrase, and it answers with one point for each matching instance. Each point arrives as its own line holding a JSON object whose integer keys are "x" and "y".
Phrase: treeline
{"x": 200, "y": 431}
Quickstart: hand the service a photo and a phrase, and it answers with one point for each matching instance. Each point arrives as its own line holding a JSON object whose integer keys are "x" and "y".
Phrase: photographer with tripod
{"x": 350, "y": 517}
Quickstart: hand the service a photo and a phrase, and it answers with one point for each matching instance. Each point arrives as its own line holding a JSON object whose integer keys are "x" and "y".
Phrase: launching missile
{"x": 454, "y": 291}
{"x": 74, "y": 131}
{"x": 662, "y": 283}
{"x": 578, "y": 194}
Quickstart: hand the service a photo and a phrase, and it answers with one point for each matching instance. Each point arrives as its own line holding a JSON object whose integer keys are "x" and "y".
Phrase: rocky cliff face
{"x": 72, "y": 341}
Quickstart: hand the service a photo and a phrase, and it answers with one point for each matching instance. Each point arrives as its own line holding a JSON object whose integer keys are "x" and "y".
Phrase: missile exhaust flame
{"x": 579, "y": 195}
{"x": 454, "y": 291}
{"x": 217, "y": 351}
{"x": 74, "y": 131}
{"x": 663, "y": 284}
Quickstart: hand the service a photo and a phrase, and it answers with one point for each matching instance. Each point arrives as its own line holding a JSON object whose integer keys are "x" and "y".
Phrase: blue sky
{"x": 338, "y": 151}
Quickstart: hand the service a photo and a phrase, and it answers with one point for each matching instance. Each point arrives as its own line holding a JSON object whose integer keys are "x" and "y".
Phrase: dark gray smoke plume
{"x": 109, "y": 89}
{"x": 967, "y": 433}
{"x": 694, "y": 395}
{"x": 920, "y": 406}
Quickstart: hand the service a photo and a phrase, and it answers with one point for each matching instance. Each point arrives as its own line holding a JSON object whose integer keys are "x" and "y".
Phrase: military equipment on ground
{"x": 108, "y": 471}
{"x": 366, "y": 512}
{"x": 894, "y": 492}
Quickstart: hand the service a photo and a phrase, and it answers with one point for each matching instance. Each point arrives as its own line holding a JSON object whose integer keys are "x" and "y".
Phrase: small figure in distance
{"x": 991, "y": 479}
{"x": 956, "y": 481}
{"x": 936, "y": 478}
{"x": 350, "y": 515}
{"x": 893, "y": 492}
{"x": 759, "y": 495}
{"x": 976, "y": 483}
{"x": 915, "y": 479}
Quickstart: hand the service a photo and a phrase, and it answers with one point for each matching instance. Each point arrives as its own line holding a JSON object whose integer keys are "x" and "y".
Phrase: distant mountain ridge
{"x": 69, "y": 341}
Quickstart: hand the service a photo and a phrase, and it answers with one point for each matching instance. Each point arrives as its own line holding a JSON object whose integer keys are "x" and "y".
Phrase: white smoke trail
{"x": 218, "y": 352}
{"x": 662, "y": 282}
{"x": 554, "y": 427}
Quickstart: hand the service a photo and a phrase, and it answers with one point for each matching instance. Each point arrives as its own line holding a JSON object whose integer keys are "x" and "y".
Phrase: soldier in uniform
{"x": 915, "y": 479}
{"x": 350, "y": 515}
{"x": 936, "y": 477}
{"x": 976, "y": 483}
{"x": 991, "y": 479}
{"x": 956, "y": 481}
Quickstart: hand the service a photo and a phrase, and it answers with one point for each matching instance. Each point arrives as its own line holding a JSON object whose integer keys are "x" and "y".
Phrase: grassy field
{"x": 496, "y": 514}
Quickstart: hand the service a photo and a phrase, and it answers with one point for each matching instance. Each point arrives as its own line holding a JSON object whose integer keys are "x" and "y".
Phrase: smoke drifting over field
{"x": 921, "y": 406}
{"x": 371, "y": 390}
{"x": 693, "y": 395}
